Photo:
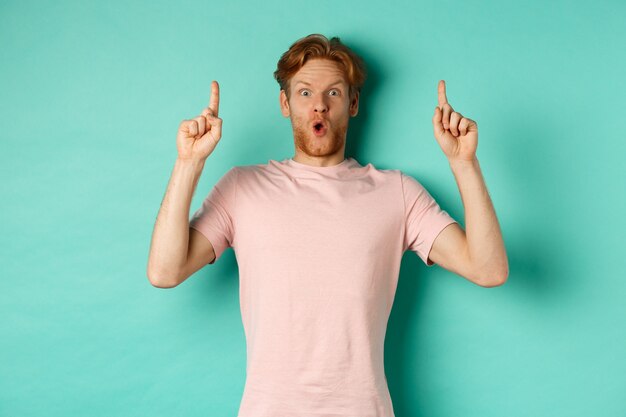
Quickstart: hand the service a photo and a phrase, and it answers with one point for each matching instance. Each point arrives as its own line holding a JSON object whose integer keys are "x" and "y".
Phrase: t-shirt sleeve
{"x": 423, "y": 218}
{"x": 214, "y": 219}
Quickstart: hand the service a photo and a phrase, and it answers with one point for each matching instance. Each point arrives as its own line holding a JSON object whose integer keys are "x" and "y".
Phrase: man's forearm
{"x": 484, "y": 238}
{"x": 170, "y": 238}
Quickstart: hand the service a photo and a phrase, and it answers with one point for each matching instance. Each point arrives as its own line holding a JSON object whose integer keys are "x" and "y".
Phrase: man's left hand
{"x": 457, "y": 135}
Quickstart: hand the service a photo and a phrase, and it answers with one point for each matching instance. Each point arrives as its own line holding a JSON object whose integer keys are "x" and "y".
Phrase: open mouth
{"x": 319, "y": 128}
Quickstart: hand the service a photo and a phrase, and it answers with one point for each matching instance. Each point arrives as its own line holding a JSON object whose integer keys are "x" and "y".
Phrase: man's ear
{"x": 354, "y": 105}
{"x": 284, "y": 103}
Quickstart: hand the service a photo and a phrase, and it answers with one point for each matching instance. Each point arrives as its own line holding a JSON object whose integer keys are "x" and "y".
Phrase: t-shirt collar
{"x": 346, "y": 163}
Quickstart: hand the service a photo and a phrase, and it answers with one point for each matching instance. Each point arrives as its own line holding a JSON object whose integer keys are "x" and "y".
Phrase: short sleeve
{"x": 214, "y": 219}
{"x": 423, "y": 218}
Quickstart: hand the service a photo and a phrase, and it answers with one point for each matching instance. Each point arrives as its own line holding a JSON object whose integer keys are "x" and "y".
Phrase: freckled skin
{"x": 320, "y": 99}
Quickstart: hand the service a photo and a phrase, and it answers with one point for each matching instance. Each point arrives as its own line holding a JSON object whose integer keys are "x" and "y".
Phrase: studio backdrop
{"x": 92, "y": 94}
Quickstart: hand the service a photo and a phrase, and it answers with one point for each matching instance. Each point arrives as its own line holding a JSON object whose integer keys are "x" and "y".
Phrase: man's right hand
{"x": 198, "y": 137}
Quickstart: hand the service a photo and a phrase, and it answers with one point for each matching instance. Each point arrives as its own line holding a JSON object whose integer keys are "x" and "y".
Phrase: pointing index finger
{"x": 442, "y": 93}
{"x": 214, "y": 103}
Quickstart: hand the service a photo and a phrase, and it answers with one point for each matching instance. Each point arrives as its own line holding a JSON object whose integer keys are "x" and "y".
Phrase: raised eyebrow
{"x": 330, "y": 85}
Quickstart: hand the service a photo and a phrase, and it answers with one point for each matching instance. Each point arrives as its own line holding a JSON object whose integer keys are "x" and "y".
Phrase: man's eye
{"x": 304, "y": 92}
{"x": 334, "y": 91}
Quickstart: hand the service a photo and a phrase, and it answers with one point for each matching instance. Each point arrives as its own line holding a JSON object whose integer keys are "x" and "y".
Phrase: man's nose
{"x": 320, "y": 105}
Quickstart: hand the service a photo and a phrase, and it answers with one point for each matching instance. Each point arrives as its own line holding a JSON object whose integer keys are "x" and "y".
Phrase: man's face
{"x": 319, "y": 107}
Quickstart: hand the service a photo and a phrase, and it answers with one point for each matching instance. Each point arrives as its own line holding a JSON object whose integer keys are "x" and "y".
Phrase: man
{"x": 319, "y": 238}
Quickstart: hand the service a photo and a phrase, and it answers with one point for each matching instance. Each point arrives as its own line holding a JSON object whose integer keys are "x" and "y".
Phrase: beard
{"x": 329, "y": 144}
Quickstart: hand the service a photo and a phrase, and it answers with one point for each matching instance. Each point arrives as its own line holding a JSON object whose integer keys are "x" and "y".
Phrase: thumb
{"x": 437, "y": 125}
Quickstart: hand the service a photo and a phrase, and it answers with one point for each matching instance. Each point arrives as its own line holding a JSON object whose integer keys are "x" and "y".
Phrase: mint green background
{"x": 91, "y": 99}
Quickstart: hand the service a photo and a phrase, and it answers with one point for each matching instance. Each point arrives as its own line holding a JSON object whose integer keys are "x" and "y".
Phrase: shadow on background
{"x": 359, "y": 125}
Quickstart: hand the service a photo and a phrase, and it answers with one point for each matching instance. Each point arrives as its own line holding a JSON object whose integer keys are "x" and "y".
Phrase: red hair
{"x": 318, "y": 46}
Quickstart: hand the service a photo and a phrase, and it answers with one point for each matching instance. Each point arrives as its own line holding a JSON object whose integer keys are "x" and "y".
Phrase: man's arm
{"x": 477, "y": 253}
{"x": 170, "y": 238}
{"x": 173, "y": 255}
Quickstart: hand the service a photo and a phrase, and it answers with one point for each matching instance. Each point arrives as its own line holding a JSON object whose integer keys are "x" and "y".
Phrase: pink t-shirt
{"x": 319, "y": 251}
